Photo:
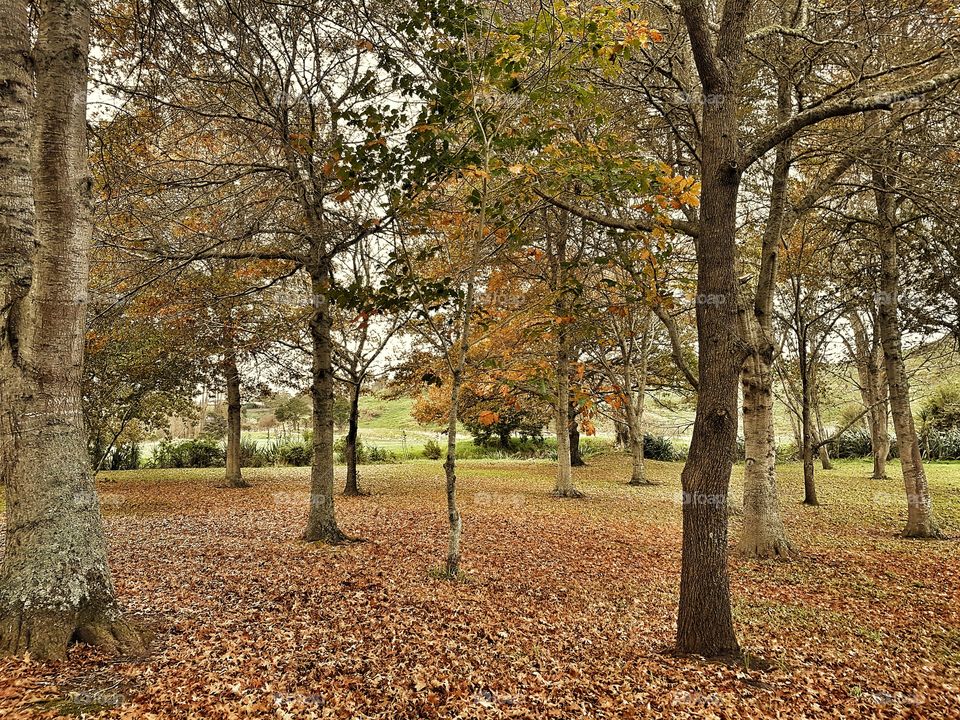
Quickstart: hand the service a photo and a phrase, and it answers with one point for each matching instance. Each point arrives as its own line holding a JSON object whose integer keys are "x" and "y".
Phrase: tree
{"x": 137, "y": 371}
{"x": 300, "y": 111}
{"x": 718, "y": 46}
{"x": 360, "y": 339}
{"x": 920, "y": 520}
{"x": 622, "y": 351}
{"x": 55, "y": 582}
{"x": 809, "y": 312}
{"x": 557, "y": 230}
{"x": 867, "y": 353}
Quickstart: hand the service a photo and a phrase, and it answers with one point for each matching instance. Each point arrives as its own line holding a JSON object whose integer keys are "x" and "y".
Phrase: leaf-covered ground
{"x": 566, "y": 610}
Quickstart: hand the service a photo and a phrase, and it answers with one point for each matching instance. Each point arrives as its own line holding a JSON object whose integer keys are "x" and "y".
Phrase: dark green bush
{"x": 379, "y": 455}
{"x": 529, "y": 449}
{"x": 126, "y": 456}
{"x": 941, "y": 445}
{"x": 252, "y": 454}
{"x": 199, "y": 453}
{"x": 432, "y": 450}
{"x": 656, "y": 447}
{"x": 365, "y": 453}
{"x": 854, "y": 443}
{"x": 296, "y": 454}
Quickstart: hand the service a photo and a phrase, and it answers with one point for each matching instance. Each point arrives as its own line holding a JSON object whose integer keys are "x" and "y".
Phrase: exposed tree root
{"x": 329, "y": 535}
{"x": 46, "y": 635}
{"x": 572, "y": 493}
{"x": 924, "y": 533}
{"x": 737, "y": 658}
{"x": 768, "y": 550}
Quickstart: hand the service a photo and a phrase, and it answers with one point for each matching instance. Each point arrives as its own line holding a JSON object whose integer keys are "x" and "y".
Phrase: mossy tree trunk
{"x": 55, "y": 583}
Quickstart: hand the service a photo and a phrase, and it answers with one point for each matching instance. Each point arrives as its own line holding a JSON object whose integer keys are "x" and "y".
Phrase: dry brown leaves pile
{"x": 566, "y": 610}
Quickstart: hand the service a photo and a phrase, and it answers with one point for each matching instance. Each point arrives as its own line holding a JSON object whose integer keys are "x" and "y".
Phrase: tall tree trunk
{"x": 920, "y": 519}
{"x": 638, "y": 469}
{"x": 576, "y": 460}
{"x": 806, "y": 420}
{"x": 564, "y": 486}
{"x": 764, "y": 535}
{"x": 705, "y": 618}
{"x": 231, "y": 374}
{"x": 454, "y": 521}
{"x": 458, "y": 364}
{"x": 55, "y": 583}
{"x": 321, "y": 520}
{"x": 868, "y": 357}
{"x": 822, "y": 450}
{"x": 635, "y": 403}
{"x": 352, "y": 487}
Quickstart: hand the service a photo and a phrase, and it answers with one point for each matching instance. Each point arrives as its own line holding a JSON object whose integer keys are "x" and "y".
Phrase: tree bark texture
{"x": 55, "y": 583}
{"x": 764, "y": 535}
{"x": 321, "y": 519}
{"x": 705, "y": 619}
{"x": 920, "y": 518}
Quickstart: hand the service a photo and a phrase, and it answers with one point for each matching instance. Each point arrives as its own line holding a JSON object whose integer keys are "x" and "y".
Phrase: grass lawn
{"x": 566, "y": 609}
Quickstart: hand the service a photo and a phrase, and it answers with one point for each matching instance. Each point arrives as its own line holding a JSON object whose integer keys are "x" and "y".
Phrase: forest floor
{"x": 566, "y": 609}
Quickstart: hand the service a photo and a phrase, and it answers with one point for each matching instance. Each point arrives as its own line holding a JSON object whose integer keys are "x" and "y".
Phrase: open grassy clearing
{"x": 565, "y": 611}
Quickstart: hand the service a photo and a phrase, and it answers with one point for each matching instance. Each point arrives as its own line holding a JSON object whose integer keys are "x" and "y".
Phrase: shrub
{"x": 528, "y": 449}
{"x": 253, "y": 455}
{"x": 941, "y": 413}
{"x": 940, "y": 425}
{"x": 365, "y": 453}
{"x": 379, "y": 455}
{"x": 126, "y": 456}
{"x": 296, "y": 454}
{"x": 432, "y": 450}
{"x": 854, "y": 443}
{"x": 941, "y": 445}
{"x": 199, "y": 453}
{"x": 340, "y": 448}
{"x": 656, "y": 447}
{"x": 271, "y": 452}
